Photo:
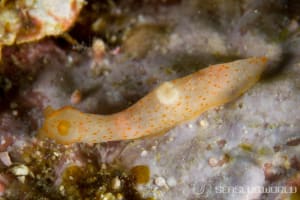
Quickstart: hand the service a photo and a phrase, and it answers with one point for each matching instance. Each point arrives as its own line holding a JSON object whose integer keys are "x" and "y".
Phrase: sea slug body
{"x": 171, "y": 103}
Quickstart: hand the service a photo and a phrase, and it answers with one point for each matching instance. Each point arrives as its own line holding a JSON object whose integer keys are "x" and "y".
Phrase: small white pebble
{"x": 4, "y": 157}
{"x": 190, "y": 126}
{"x": 76, "y": 97}
{"x": 98, "y": 48}
{"x": 62, "y": 189}
{"x": 103, "y": 166}
{"x": 15, "y": 113}
{"x": 113, "y": 38}
{"x": 3, "y": 141}
{"x": 204, "y": 123}
{"x": 21, "y": 179}
{"x": 170, "y": 139}
{"x": 160, "y": 181}
{"x": 20, "y": 170}
{"x": 171, "y": 181}
{"x": 70, "y": 59}
{"x": 213, "y": 162}
{"x": 38, "y": 153}
{"x": 56, "y": 154}
{"x": 153, "y": 147}
{"x": 116, "y": 183}
{"x": 144, "y": 153}
{"x": 109, "y": 196}
{"x": 105, "y": 73}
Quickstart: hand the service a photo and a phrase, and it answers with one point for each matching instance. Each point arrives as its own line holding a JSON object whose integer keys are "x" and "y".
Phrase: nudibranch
{"x": 168, "y": 105}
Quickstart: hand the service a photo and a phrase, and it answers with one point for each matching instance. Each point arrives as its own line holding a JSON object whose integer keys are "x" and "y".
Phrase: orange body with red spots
{"x": 166, "y": 106}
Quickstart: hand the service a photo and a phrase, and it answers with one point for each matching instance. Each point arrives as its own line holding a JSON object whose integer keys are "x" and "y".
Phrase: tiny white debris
{"x": 38, "y": 153}
{"x": 105, "y": 73}
{"x": 15, "y": 113}
{"x": 171, "y": 181}
{"x": 160, "y": 181}
{"x": 21, "y": 179}
{"x": 113, "y": 38}
{"x": 153, "y": 147}
{"x": 140, "y": 187}
{"x": 3, "y": 141}
{"x": 56, "y": 154}
{"x": 116, "y": 183}
{"x": 20, "y": 170}
{"x": 170, "y": 139}
{"x": 109, "y": 196}
{"x": 190, "y": 126}
{"x": 141, "y": 19}
{"x": 119, "y": 196}
{"x": 144, "y": 153}
{"x": 5, "y": 159}
{"x": 76, "y": 97}
{"x": 204, "y": 123}
{"x": 213, "y": 162}
{"x": 98, "y": 48}
{"x": 70, "y": 59}
{"x": 62, "y": 189}
{"x": 103, "y": 166}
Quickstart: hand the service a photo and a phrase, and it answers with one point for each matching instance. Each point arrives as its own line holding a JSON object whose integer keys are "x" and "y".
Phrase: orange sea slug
{"x": 171, "y": 103}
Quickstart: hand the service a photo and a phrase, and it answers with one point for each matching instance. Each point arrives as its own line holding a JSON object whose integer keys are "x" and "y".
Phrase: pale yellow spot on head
{"x": 167, "y": 93}
{"x": 63, "y": 127}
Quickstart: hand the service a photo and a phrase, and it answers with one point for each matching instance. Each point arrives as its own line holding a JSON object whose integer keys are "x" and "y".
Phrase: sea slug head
{"x": 61, "y": 125}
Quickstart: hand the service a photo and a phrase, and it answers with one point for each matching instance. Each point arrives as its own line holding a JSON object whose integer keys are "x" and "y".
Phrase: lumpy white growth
{"x": 167, "y": 93}
{"x": 166, "y": 106}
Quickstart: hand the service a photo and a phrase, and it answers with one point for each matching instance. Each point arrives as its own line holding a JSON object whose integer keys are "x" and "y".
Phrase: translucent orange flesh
{"x": 166, "y": 106}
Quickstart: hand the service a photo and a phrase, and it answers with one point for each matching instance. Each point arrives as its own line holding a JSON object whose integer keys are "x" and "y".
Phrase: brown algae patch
{"x": 141, "y": 174}
{"x": 91, "y": 180}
